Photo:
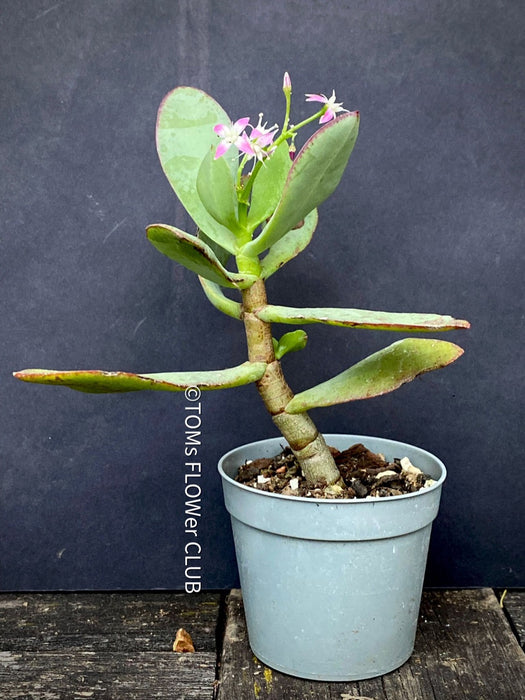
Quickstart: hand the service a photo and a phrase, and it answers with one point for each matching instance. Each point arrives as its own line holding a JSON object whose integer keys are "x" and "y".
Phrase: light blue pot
{"x": 331, "y": 588}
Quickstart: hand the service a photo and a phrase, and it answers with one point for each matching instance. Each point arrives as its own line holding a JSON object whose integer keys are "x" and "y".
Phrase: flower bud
{"x": 287, "y": 84}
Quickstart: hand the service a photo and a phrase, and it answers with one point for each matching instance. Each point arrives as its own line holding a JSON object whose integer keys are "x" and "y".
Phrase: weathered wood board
{"x": 110, "y": 646}
{"x": 106, "y": 675}
{"x": 514, "y": 606}
{"x": 465, "y": 650}
{"x": 110, "y": 621}
{"x": 113, "y": 646}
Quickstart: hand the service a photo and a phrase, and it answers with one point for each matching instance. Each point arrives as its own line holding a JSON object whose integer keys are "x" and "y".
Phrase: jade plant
{"x": 254, "y": 202}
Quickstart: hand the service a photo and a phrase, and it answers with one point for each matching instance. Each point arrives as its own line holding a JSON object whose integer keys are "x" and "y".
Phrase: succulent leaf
{"x": 290, "y": 342}
{"x": 194, "y": 254}
{"x": 216, "y": 297}
{"x": 379, "y": 373}
{"x": 268, "y": 186}
{"x": 289, "y": 246}
{"x": 360, "y": 318}
{"x": 314, "y": 175}
{"x": 100, "y": 382}
{"x": 216, "y": 188}
{"x": 185, "y": 135}
{"x": 221, "y": 253}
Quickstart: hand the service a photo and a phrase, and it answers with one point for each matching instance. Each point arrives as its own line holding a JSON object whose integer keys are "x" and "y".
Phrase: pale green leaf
{"x": 289, "y": 246}
{"x": 194, "y": 254}
{"x": 100, "y": 382}
{"x": 216, "y": 188}
{"x": 185, "y": 134}
{"x": 221, "y": 253}
{"x": 216, "y": 297}
{"x": 314, "y": 175}
{"x": 268, "y": 186}
{"x": 360, "y": 318}
{"x": 379, "y": 373}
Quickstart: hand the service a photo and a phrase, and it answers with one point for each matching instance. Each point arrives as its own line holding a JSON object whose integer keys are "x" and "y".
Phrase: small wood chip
{"x": 183, "y": 642}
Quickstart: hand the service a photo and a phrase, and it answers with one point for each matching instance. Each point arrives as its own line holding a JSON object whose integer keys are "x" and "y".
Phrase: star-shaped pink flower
{"x": 230, "y": 134}
{"x": 260, "y": 138}
{"x": 333, "y": 107}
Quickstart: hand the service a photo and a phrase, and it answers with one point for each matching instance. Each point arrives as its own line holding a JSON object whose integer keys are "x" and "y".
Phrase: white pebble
{"x": 294, "y": 484}
{"x": 333, "y": 490}
{"x": 408, "y": 467}
{"x": 263, "y": 479}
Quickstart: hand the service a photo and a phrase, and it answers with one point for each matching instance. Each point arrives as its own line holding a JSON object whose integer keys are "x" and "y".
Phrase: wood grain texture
{"x": 514, "y": 606}
{"x": 106, "y": 621}
{"x": 106, "y": 675}
{"x": 117, "y": 646}
{"x": 107, "y": 645}
{"x": 465, "y": 650}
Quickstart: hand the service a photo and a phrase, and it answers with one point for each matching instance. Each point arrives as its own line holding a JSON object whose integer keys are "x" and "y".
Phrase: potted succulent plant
{"x": 331, "y": 585}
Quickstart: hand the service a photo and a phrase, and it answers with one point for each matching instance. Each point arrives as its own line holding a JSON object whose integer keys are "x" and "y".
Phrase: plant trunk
{"x": 298, "y": 429}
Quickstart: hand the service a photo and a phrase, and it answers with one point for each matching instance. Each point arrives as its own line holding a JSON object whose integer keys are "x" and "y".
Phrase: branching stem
{"x": 299, "y": 430}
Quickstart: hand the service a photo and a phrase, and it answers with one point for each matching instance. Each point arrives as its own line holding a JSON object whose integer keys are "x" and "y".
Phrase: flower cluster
{"x": 258, "y": 144}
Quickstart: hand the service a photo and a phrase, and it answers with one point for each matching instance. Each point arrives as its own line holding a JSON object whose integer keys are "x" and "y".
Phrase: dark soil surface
{"x": 364, "y": 475}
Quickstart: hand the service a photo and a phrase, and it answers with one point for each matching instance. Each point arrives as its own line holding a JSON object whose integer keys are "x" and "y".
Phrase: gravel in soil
{"x": 364, "y": 474}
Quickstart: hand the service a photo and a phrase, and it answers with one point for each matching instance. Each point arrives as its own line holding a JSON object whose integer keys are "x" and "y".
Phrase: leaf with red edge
{"x": 360, "y": 318}
{"x": 314, "y": 175}
{"x": 100, "y": 382}
{"x": 379, "y": 373}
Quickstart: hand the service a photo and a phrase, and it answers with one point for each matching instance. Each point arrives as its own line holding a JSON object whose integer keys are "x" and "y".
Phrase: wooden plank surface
{"x": 106, "y": 675}
{"x": 514, "y": 606}
{"x": 106, "y": 645}
{"x": 110, "y": 621}
{"x": 465, "y": 650}
{"x": 118, "y": 645}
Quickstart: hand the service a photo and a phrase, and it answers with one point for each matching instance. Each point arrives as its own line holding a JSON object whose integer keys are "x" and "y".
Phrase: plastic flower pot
{"x": 331, "y": 588}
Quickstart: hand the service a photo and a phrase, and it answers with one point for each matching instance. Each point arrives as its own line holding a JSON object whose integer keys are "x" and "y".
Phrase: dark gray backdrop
{"x": 428, "y": 218}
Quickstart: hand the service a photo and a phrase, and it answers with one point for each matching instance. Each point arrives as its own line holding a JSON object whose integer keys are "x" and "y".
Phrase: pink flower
{"x": 257, "y": 145}
{"x": 230, "y": 134}
{"x": 287, "y": 83}
{"x": 333, "y": 107}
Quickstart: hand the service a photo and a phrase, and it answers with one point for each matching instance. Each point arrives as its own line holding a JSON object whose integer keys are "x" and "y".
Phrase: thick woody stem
{"x": 299, "y": 430}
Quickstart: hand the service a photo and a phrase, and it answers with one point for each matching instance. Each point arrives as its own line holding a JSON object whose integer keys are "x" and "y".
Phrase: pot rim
{"x": 324, "y": 502}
